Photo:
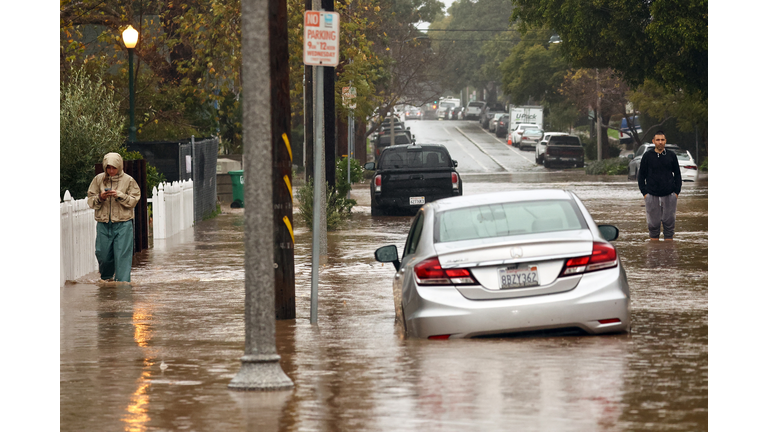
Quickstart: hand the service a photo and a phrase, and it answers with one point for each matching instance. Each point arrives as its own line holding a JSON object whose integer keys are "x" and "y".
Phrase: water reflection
{"x": 354, "y": 372}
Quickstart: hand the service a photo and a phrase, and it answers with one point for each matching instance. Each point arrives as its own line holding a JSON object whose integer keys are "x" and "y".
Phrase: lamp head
{"x": 130, "y": 37}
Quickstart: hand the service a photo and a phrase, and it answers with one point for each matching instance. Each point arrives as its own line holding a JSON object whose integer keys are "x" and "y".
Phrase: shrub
{"x": 90, "y": 126}
{"x": 614, "y": 166}
{"x": 338, "y": 206}
{"x": 703, "y": 166}
{"x": 590, "y": 149}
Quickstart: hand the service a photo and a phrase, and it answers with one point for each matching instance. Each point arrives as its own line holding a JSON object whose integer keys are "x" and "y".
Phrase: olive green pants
{"x": 114, "y": 250}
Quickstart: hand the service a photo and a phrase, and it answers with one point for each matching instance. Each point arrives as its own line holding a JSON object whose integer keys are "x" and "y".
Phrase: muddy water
{"x": 353, "y": 371}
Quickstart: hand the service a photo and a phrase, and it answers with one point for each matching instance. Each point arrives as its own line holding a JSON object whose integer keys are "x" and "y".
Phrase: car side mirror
{"x": 370, "y": 166}
{"x": 631, "y": 156}
{"x": 455, "y": 163}
{"x": 388, "y": 254}
{"x": 609, "y": 232}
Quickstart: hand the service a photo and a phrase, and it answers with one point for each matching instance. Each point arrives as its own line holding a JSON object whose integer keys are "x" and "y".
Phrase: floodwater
{"x": 353, "y": 371}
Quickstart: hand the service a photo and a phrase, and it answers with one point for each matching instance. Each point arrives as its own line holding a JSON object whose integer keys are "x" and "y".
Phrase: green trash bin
{"x": 238, "y": 186}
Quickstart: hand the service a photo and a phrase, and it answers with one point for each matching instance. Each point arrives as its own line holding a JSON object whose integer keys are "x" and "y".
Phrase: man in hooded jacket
{"x": 112, "y": 195}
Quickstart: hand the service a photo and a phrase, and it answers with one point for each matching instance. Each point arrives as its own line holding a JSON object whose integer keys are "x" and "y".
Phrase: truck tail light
{"x": 603, "y": 257}
{"x": 455, "y": 180}
{"x": 377, "y": 183}
{"x": 429, "y": 272}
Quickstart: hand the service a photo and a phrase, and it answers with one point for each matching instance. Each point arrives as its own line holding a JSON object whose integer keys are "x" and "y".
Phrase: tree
{"x": 90, "y": 126}
{"x": 665, "y": 41}
{"x": 474, "y": 38}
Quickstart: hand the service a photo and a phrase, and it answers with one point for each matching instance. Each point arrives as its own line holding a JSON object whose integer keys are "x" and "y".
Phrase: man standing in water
{"x": 659, "y": 180}
{"x": 113, "y": 194}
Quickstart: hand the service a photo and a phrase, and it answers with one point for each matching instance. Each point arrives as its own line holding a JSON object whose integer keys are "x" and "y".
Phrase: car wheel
{"x": 376, "y": 211}
{"x": 546, "y": 163}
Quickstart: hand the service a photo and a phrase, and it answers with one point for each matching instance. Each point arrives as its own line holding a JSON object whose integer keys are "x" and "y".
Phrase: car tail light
{"x": 455, "y": 180}
{"x": 377, "y": 182}
{"x": 603, "y": 257}
{"x": 439, "y": 337}
{"x": 429, "y": 272}
{"x": 691, "y": 167}
{"x": 609, "y": 321}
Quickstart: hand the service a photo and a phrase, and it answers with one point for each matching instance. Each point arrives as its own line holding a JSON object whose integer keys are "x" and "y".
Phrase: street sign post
{"x": 321, "y": 38}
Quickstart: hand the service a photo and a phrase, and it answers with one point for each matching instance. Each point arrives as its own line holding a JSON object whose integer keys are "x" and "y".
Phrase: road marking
{"x": 465, "y": 150}
{"x": 482, "y": 149}
{"x": 510, "y": 147}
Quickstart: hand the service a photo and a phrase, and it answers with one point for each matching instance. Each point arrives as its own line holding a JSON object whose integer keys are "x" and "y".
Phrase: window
{"x": 412, "y": 242}
{"x": 565, "y": 140}
{"x": 416, "y": 158}
{"x": 508, "y": 219}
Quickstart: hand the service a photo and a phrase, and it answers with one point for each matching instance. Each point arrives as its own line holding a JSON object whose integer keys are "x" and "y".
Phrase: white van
{"x": 445, "y": 105}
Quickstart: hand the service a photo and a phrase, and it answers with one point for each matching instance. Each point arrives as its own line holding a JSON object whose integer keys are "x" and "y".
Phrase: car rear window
{"x": 565, "y": 140}
{"x": 415, "y": 158}
{"x": 476, "y": 104}
{"x": 509, "y": 219}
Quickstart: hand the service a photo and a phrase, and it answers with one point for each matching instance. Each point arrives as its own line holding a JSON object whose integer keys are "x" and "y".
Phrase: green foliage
{"x": 661, "y": 40}
{"x": 704, "y": 166}
{"x": 590, "y": 149}
{"x": 338, "y": 206}
{"x": 90, "y": 126}
{"x": 613, "y": 166}
{"x": 533, "y": 71}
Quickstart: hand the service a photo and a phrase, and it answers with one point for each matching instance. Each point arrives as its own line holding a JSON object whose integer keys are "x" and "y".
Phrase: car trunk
{"x": 491, "y": 260}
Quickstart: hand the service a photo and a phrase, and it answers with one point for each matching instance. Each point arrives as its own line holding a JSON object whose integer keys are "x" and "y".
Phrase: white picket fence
{"x": 172, "y": 208}
{"x": 77, "y": 230}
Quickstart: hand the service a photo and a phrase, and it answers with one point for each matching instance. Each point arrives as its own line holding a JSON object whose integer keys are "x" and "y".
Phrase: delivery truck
{"x": 525, "y": 114}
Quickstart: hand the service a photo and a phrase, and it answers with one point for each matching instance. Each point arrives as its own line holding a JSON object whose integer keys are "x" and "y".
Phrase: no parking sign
{"x": 321, "y": 38}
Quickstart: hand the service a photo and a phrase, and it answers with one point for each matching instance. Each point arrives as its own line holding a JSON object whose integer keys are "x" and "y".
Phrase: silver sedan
{"x": 508, "y": 262}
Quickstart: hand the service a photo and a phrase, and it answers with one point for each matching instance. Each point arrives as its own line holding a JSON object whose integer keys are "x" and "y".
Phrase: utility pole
{"x": 330, "y": 116}
{"x": 309, "y": 108}
{"x": 598, "y": 117}
{"x": 282, "y": 161}
{"x": 260, "y": 366}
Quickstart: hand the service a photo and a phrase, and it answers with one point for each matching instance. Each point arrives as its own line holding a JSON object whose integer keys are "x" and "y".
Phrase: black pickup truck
{"x": 564, "y": 150}
{"x": 409, "y": 176}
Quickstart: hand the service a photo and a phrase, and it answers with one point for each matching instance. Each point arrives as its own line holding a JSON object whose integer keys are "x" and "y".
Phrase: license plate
{"x": 513, "y": 277}
{"x": 417, "y": 200}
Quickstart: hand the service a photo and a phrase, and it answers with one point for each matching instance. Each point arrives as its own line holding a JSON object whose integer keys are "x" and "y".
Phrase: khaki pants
{"x": 660, "y": 211}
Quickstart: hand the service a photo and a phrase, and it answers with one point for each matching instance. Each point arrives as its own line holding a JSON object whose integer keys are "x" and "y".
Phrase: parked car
{"x": 457, "y": 113}
{"x": 508, "y": 262}
{"x": 494, "y": 121}
{"x": 401, "y": 137}
{"x": 517, "y": 131}
{"x": 530, "y": 138}
{"x": 689, "y": 171}
{"x": 487, "y": 115}
{"x": 474, "y": 109}
{"x": 409, "y": 176}
{"x": 541, "y": 146}
{"x": 563, "y": 150}
{"x": 502, "y": 126}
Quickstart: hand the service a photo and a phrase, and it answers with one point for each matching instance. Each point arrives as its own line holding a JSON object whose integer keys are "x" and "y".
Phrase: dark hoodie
{"x": 659, "y": 173}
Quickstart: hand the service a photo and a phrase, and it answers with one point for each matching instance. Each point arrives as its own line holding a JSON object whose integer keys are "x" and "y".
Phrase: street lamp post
{"x": 130, "y": 38}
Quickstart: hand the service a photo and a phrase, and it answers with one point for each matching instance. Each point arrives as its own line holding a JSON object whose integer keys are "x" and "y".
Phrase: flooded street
{"x": 353, "y": 371}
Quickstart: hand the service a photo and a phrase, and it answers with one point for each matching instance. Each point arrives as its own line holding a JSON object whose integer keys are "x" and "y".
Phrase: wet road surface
{"x": 353, "y": 371}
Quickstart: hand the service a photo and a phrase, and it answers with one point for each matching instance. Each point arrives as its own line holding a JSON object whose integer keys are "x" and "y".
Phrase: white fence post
{"x": 77, "y": 229}
{"x": 172, "y": 208}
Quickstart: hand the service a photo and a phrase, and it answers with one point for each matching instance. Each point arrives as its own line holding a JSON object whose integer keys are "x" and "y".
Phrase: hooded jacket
{"x": 113, "y": 209}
